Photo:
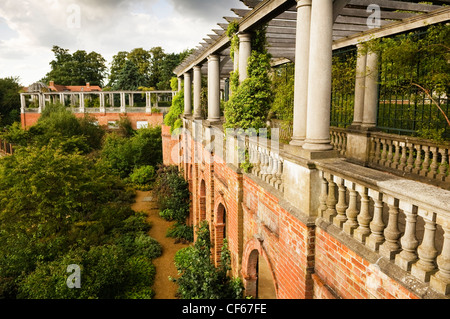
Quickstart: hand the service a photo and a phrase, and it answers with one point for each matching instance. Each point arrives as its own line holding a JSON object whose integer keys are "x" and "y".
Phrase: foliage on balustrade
{"x": 250, "y": 101}
{"x": 415, "y": 82}
{"x": 282, "y": 108}
{"x": 173, "y": 118}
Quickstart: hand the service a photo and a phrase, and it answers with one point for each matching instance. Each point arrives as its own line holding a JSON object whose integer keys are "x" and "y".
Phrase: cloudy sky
{"x": 30, "y": 28}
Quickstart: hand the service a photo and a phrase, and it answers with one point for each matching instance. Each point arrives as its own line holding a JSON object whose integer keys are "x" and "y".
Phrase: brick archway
{"x": 220, "y": 229}
{"x": 202, "y": 201}
{"x": 253, "y": 252}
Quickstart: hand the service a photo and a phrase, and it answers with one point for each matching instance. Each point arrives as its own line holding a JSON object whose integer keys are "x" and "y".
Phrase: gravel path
{"x": 163, "y": 287}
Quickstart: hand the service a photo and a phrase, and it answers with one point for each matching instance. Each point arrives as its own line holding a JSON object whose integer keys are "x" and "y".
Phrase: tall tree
{"x": 77, "y": 68}
{"x": 129, "y": 77}
{"x": 9, "y": 100}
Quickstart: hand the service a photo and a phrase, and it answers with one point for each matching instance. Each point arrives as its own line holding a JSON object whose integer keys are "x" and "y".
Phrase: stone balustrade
{"x": 106, "y": 101}
{"x": 338, "y": 137}
{"x": 404, "y": 221}
{"x": 267, "y": 163}
{"x": 411, "y": 156}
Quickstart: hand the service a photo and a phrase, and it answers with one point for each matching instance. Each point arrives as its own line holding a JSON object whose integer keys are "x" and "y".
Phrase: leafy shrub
{"x": 143, "y": 176}
{"x": 172, "y": 193}
{"x": 124, "y": 154}
{"x": 181, "y": 231}
{"x": 172, "y": 118}
{"x": 198, "y": 277}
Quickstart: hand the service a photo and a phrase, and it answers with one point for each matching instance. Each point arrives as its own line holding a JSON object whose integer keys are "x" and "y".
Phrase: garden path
{"x": 163, "y": 287}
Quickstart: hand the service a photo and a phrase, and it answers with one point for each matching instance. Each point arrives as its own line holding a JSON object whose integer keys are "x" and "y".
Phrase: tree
{"x": 78, "y": 68}
{"x": 9, "y": 100}
{"x": 419, "y": 62}
{"x": 117, "y": 64}
{"x": 129, "y": 77}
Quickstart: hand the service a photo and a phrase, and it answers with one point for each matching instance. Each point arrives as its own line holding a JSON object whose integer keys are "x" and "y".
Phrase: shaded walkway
{"x": 163, "y": 288}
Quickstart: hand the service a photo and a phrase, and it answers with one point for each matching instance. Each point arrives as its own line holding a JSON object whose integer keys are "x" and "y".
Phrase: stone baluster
{"x": 279, "y": 175}
{"x": 443, "y": 167}
{"x": 372, "y": 150}
{"x": 418, "y": 161}
{"x": 341, "y": 205}
{"x": 409, "y": 242}
{"x": 352, "y": 211}
{"x": 391, "y": 246}
{"x": 384, "y": 151}
{"x": 376, "y": 237}
{"x": 364, "y": 218}
{"x": 396, "y": 158}
{"x": 323, "y": 195}
{"x": 403, "y": 158}
{"x": 377, "y": 150}
{"x": 426, "y": 161}
{"x": 270, "y": 167}
{"x": 273, "y": 174}
{"x": 410, "y": 160}
{"x": 331, "y": 199}
{"x": 427, "y": 251}
{"x": 257, "y": 166}
{"x": 441, "y": 280}
{"x": 389, "y": 155}
{"x": 434, "y": 162}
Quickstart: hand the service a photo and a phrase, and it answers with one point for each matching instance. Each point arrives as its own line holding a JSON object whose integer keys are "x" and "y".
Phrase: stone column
{"x": 81, "y": 102}
{"x": 179, "y": 84}
{"x": 214, "y": 87}
{"x": 187, "y": 94}
{"x": 102, "y": 102}
{"x": 23, "y": 103}
{"x": 301, "y": 71}
{"x": 245, "y": 50}
{"x": 360, "y": 83}
{"x": 197, "y": 91}
{"x": 319, "y": 78}
{"x": 122, "y": 103}
{"x": 369, "y": 119}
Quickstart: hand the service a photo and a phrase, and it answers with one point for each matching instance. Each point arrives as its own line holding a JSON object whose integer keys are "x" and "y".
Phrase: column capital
{"x": 197, "y": 67}
{"x": 213, "y": 57}
{"x": 245, "y": 37}
{"x": 302, "y": 3}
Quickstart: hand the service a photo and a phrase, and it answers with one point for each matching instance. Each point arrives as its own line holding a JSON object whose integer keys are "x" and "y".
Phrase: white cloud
{"x": 105, "y": 26}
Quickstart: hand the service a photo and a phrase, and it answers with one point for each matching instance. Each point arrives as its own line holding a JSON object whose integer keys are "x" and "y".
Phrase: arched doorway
{"x": 220, "y": 232}
{"x": 202, "y": 201}
{"x": 258, "y": 279}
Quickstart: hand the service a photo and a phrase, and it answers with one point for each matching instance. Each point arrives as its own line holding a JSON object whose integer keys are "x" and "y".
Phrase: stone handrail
{"x": 410, "y": 156}
{"x": 383, "y": 212}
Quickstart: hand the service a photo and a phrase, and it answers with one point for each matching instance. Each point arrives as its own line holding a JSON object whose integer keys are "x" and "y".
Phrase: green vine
{"x": 173, "y": 118}
{"x": 250, "y": 100}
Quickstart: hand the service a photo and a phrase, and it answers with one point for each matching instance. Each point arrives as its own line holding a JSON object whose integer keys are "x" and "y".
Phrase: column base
{"x": 421, "y": 272}
{"x": 297, "y": 141}
{"x": 440, "y": 284}
{"x": 405, "y": 260}
{"x": 318, "y": 145}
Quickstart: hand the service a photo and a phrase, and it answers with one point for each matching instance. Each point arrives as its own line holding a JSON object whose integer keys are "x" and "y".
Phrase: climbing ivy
{"x": 251, "y": 100}
{"x": 173, "y": 118}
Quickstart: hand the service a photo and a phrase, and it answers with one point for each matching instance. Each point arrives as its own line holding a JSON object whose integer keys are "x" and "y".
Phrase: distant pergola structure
{"x": 305, "y": 32}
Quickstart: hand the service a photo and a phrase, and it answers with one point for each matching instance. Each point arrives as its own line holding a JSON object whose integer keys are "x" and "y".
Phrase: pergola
{"x": 352, "y": 23}
{"x": 306, "y": 32}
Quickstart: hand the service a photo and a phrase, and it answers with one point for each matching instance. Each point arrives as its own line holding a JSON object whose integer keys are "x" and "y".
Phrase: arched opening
{"x": 202, "y": 201}
{"x": 220, "y": 231}
{"x": 258, "y": 280}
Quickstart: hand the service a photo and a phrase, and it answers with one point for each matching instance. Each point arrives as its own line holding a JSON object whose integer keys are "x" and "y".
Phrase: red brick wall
{"x": 170, "y": 147}
{"x": 304, "y": 260}
{"x": 154, "y": 119}
{"x": 349, "y": 275}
